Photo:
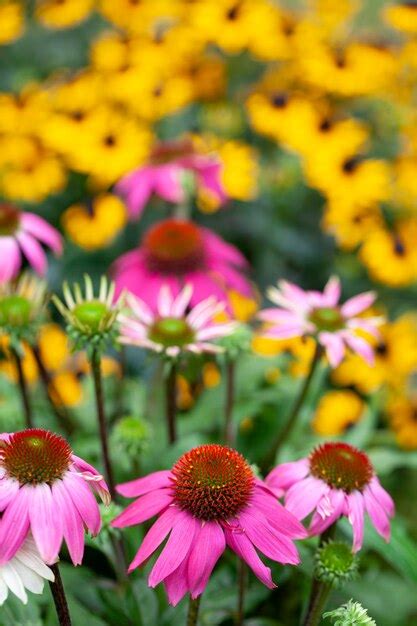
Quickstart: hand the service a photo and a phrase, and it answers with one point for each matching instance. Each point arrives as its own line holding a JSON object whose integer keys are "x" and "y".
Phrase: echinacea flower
{"x": 45, "y": 490}
{"x": 171, "y": 329}
{"x": 336, "y": 480}
{"x": 176, "y": 252}
{"x": 21, "y": 301}
{"x": 22, "y": 233}
{"x": 210, "y": 499}
{"x": 24, "y": 572}
{"x": 165, "y": 176}
{"x": 319, "y": 314}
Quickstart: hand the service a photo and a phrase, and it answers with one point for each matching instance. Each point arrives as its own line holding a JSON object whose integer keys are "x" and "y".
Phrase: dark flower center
{"x": 212, "y": 482}
{"x": 279, "y": 100}
{"x": 168, "y": 151}
{"x": 174, "y": 247}
{"x": 341, "y": 466}
{"x": 35, "y": 456}
{"x": 327, "y": 319}
{"x": 171, "y": 331}
{"x": 9, "y": 219}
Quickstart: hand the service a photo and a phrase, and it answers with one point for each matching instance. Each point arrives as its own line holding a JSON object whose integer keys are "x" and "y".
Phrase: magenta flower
{"x": 170, "y": 329}
{"x": 319, "y": 314}
{"x": 209, "y": 500}
{"x": 23, "y": 233}
{"x": 337, "y": 479}
{"x": 175, "y": 252}
{"x": 165, "y": 177}
{"x": 45, "y": 490}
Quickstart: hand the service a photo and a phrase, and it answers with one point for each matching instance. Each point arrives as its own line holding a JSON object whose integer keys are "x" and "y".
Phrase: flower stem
{"x": 193, "y": 609}
{"x": 242, "y": 583}
{"x": 53, "y": 394}
{"x": 24, "y": 393}
{"x": 171, "y": 402}
{"x": 320, "y": 590}
{"x": 60, "y": 600}
{"x": 292, "y": 420}
{"x": 230, "y": 398}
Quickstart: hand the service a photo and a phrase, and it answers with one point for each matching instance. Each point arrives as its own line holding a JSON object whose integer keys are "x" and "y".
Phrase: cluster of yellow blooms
{"x": 156, "y": 57}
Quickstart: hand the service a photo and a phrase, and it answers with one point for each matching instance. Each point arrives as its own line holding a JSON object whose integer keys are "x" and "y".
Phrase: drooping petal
{"x": 8, "y": 490}
{"x": 379, "y": 517}
{"x": 144, "y": 508}
{"x": 73, "y": 529}
{"x": 46, "y": 521}
{"x": 319, "y": 524}
{"x": 84, "y": 501}
{"x": 335, "y": 348}
{"x": 10, "y": 258}
{"x": 286, "y": 474}
{"x": 279, "y": 517}
{"x": 382, "y": 496}
{"x": 140, "y": 486}
{"x": 360, "y": 346}
{"x": 154, "y": 537}
{"x": 274, "y": 545}
{"x": 355, "y": 505}
{"x": 302, "y": 498}
{"x": 42, "y": 230}
{"x": 208, "y": 545}
{"x": 33, "y": 252}
{"x": 243, "y": 547}
{"x": 14, "y": 526}
{"x": 176, "y": 584}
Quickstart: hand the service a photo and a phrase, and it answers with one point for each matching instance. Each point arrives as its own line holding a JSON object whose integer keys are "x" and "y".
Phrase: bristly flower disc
{"x": 174, "y": 247}
{"x": 212, "y": 482}
{"x": 341, "y": 466}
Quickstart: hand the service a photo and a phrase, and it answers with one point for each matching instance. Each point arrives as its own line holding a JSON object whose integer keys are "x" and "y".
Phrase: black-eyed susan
{"x": 350, "y": 223}
{"x": 95, "y": 225}
{"x": 401, "y": 409}
{"x": 337, "y": 411}
{"x": 140, "y": 17}
{"x": 12, "y": 21}
{"x": 405, "y": 189}
{"x": 25, "y": 112}
{"x": 390, "y": 256}
{"x": 402, "y": 16}
{"x": 63, "y": 13}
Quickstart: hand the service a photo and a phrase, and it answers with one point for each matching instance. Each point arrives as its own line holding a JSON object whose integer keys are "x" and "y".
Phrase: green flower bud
{"x": 350, "y": 614}
{"x": 131, "y": 435}
{"x": 335, "y": 563}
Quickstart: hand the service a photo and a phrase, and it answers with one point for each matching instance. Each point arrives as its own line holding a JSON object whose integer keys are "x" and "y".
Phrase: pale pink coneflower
{"x": 208, "y": 501}
{"x": 336, "y": 480}
{"x": 319, "y": 314}
{"x": 45, "y": 490}
{"x": 21, "y": 234}
{"x": 174, "y": 327}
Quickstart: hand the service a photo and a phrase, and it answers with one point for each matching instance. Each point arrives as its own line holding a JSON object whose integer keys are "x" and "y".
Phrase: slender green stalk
{"x": 53, "y": 395}
{"x": 60, "y": 600}
{"x": 229, "y": 435}
{"x": 23, "y": 388}
{"x": 295, "y": 411}
{"x": 193, "y": 609}
{"x": 242, "y": 586}
{"x": 101, "y": 418}
{"x": 171, "y": 402}
{"x": 320, "y": 590}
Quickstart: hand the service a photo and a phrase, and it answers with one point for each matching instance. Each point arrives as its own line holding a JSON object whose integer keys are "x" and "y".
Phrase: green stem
{"x": 24, "y": 392}
{"x": 242, "y": 584}
{"x": 193, "y": 610}
{"x": 60, "y": 600}
{"x": 230, "y": 398}
{"x": 171, "y": 402}
{"x": 295, "y": 411}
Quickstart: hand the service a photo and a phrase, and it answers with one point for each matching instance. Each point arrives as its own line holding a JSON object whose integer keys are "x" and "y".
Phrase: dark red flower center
{"x": 212, "y": 482}
{"x": 9, "y": 219}
{"x": 341, "y": 466}
{"x": 171, "y": 331}
{"x": 168, "y": 151}
{"x": 174, "y": 247}
{"x": 35, "y": 456}
{"x": 327, "y": 319}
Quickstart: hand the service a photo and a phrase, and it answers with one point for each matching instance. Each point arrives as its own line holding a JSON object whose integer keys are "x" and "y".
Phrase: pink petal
{"x": 208, "y": 545}
{"x": 168, "y": 183}
{"x": 14, "y": 526}
{"x": 335, "y": 349}
{"x": 91, "y": 475}
{"x": 332, "y": 292}
{"x": 8, "y": 490}
{"x": 360, "y": 346}
{"x": 144, "y": 508}
{"x": 304, "y": 496}
{"x": 209, "y": 177}
{"x": 377, "y": 514}
{"x": 239, "y": 543}
{"x": 136, "y": 189}
{"x": 40, "y": 229}
{"x": 84, "y": 501}
{"x": 216, "y": 247}
{"x": 285, "y": 475}
{"x": 319, "y": 524}
{"x": 45, "y": 522}
{"x": 273, "y": 544}
{"x": 176, "y": 584}
{"x": 33, "y": 252}
{"x": 382, "y": 496}
{"x": 279, "y": 517}
{"x": 355, "y": 505}
{"x": 176, "y": 548}
{"x": 140, "y": 486}
{"x": 182, "y": 301}
{"x": 284, "y": 331}
{"x": 72, "y": 523}
{"x": 279, "y": 316}
{"x": 10, "y": 258}
{"x": 357, "y": 304}
{"x": 154, "y": 537}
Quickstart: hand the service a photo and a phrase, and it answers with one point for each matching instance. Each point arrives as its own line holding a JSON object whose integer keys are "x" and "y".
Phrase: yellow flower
{"x": 300, "y": 348}
{"x": 109, "y": 52}
{"x": 184, "y": 397}
{"x": 66, "y": 389}
{"x": 211, "y": 375}
{"x": 225, "y": 23}
{"x": 402, "y": 16}
{"x": 332, "y": 14}
{"x": 12, "y": 21}
{"x": 95, "y": 226}
{"x": 54, "y": 346}
{"x": 351, "y": 223}
{"x": 140, "y": 16}
{"x": 25, "y": 112}
{"x": 8, "y": 367}
{"x": 63, "y": 13}
{"x": 405, "y": 188}
{"x": 391, "y": 256}
{"x": 336, "y": 412}
{"x": 331, "y": 141}
{"x": 402, "y": 416}
{"x": 240, "y": 170}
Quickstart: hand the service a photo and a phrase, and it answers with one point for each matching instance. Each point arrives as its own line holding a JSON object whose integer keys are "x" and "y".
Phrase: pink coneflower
{"x": 175, "y": 252}
{"x": 165, "y": 176}
{"x": 209, "y": 500}
{"x": 45, "y": 490}
{"x": 336, "y": 479}
{"x": 319, "y": 314}
{"x": 170, "y": 329}
{"x": 23, "y": 233}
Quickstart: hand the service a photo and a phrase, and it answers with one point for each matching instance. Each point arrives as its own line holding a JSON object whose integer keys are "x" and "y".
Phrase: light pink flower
{"x": 46, "y": 490}
{"x": 165, "y": 176}
{"x": 23, "y": 234}
{"x": 175, "y": 252}
{"x": 319, "y": 314}
{"x": 170, "y": 329}
{"x": 208, "y": 501}
{"x": 337, "y": 479}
